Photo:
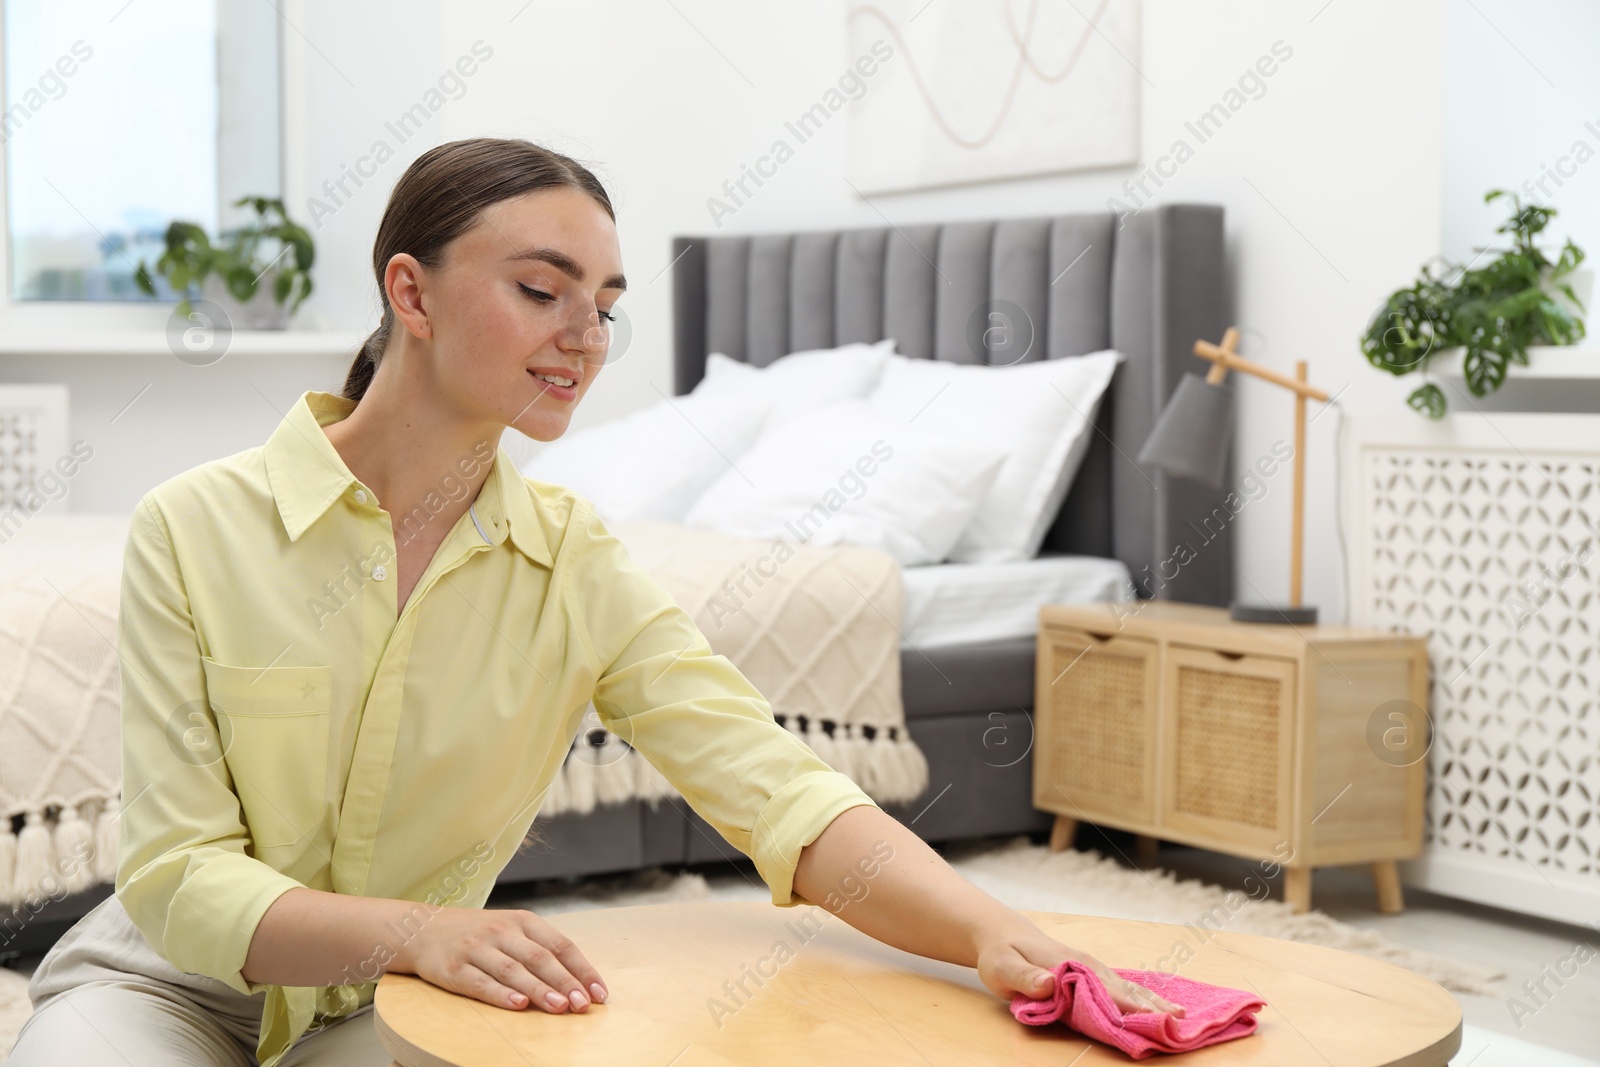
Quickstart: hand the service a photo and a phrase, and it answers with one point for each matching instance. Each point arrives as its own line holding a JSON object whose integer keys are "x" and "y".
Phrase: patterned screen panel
{"x": 1494, "y": 553}
{"x": 33, "y": 435}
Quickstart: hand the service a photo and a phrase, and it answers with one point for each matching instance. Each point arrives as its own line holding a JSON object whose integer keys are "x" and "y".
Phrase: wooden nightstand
{"x": 1296, "y": 746}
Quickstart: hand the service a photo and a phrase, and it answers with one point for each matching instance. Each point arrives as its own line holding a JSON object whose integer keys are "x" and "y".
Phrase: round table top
{"x": 738, "y": 983}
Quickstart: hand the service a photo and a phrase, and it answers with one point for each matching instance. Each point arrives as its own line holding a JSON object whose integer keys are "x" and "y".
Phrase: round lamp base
{"x": 1272, "y": 613}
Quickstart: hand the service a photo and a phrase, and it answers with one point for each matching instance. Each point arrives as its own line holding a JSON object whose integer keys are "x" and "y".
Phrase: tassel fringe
{"x": 53, "y": 857}
{"x": 602, "y": 770}
{"x": 8, "y": 862}
{"x": 888, "y": 767}
{"x": 78, "y": 848}
{"x": 74, "y": 850}
{"x": 35, "y": 856}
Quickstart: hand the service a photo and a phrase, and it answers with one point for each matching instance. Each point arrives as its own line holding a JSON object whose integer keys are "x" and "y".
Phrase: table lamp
{"x": 1190, "y": 440}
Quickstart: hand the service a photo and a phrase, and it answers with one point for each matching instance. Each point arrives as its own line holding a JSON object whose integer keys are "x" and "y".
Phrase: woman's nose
{"x": 596, "y": 334}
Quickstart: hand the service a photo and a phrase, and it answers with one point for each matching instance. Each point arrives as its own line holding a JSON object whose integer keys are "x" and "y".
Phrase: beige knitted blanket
{"x": 60, "y": 699}
{"x": 815, "y": 631}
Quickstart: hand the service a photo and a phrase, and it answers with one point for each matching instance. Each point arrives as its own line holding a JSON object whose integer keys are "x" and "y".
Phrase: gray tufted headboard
{"x": 1059, "y": 286}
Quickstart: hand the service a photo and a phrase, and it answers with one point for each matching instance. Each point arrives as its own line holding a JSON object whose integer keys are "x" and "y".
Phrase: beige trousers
{"x": 104, "y": 995}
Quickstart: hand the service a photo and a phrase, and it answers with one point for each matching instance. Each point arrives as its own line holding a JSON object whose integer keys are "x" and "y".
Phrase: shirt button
{"x": 379, "y": 573}
{"x": 361, "y": 496}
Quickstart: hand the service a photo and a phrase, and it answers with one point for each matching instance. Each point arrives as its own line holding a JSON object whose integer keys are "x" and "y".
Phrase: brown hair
{"x": 440, "y": 196}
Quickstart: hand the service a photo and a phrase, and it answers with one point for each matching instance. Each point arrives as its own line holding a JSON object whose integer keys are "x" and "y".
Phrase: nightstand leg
{"x": 1144, "y": 850}
{"x": 1297, "y": 888}
{"x": 1386, "y": 879}
{"x": 1062, "y": 833}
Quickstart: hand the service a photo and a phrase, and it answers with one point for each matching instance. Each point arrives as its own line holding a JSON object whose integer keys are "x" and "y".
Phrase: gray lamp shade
{"x": 1191, "y": 437}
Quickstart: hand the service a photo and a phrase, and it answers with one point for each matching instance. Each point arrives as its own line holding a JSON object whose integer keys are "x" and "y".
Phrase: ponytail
{"x": 367, "y": 359}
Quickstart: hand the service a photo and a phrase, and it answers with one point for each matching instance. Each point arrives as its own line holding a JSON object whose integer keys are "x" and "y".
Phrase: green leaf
{"x": 1405, "y": 331}
{"x": 305, "y": 291}
{"x": 180, "y": 234}
{"x": 281, "y": 285}
{"x": 1485, "y": 369}
{"x": 304, "y": 252}
{"x": 241, "y": 282}
{"x": 1427, "y": 400}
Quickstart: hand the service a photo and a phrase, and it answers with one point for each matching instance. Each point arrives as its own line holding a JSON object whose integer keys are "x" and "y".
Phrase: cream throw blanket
{"x": 60, "y": 699}
{"x": 815, "y": 629}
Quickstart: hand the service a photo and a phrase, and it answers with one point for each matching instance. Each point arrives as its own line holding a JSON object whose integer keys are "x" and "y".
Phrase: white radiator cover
{"x": 33, "y": 437}
{"x": 1483, "y": 532}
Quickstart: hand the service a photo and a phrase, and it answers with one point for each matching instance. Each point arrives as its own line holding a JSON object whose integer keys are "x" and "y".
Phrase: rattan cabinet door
{"x": 1227, "y": 742}
{"x": 1095, "y": 702}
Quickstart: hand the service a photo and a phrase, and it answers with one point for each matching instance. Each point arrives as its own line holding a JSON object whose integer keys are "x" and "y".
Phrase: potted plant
{"x": 1493, "y": 313}
{"x": 271, "y": 256}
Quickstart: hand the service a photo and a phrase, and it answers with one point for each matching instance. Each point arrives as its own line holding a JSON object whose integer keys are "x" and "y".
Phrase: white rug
{"x": 1486, "y": 1048}
{"x": 1022, "y": 875}
{"x": 14, "y": 1008}
{"x": 1032, "y": 878}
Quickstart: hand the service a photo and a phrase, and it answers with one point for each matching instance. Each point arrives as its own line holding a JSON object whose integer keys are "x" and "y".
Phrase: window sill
{"x": 145, "y": 342}
{"x": 1544, "y": 361}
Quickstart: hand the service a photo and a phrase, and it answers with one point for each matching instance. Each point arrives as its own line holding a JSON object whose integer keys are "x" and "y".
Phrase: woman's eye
{"x": 545, "y": 298}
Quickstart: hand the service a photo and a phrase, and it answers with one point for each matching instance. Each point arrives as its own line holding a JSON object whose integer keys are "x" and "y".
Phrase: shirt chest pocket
{"x": 274, "y": 728}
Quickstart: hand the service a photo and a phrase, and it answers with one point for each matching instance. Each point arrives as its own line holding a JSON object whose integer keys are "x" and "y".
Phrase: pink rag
{"x": 1080, "y": 999}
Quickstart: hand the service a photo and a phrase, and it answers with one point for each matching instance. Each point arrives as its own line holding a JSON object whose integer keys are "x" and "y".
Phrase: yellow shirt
{"x": 283, "y": 725}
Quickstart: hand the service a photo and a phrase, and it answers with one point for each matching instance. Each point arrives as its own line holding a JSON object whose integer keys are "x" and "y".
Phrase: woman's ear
{"x": 405, "y": 281}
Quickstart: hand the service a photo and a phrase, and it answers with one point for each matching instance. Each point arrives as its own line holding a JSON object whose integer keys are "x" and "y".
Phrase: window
{"x": 121, "y": 117}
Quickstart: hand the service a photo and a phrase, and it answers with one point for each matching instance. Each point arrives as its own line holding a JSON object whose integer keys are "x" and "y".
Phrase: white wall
{"x": 1331, "y": 179}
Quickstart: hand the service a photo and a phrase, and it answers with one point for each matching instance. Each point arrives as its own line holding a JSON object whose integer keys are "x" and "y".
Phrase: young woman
{"x": 354, "y": 657}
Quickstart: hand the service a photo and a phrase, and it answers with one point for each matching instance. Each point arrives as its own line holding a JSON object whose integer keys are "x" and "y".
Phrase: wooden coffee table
{"x": 816, "y": 991}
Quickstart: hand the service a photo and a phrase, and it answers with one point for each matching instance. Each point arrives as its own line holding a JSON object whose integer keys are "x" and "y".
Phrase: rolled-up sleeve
{"x": 184, "y": 874}
{"x": 696, "y": 718}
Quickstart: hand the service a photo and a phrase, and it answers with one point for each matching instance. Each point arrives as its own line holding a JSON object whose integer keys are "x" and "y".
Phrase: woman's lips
{"x": 560, "y": 392}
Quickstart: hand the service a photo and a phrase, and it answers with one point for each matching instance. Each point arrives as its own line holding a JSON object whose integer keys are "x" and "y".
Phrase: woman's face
{"x": 520, "y": 309}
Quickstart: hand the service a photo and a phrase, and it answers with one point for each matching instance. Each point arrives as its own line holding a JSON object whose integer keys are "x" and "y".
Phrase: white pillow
{"x": 653, "y": 463}
{"x": 801, "y": 381}
{"x": 839, "y": 475}
{"x": 1041, "y": 413}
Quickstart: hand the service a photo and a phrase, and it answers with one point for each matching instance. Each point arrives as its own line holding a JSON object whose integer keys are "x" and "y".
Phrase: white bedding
{"x": 957, "y": 603}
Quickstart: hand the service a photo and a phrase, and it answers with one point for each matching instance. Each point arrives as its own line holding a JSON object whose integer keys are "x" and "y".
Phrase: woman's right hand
{"x": 505, "y": 957}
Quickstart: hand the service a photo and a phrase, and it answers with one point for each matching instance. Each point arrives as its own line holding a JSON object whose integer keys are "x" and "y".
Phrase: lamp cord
{"x": 1338, "y": 509}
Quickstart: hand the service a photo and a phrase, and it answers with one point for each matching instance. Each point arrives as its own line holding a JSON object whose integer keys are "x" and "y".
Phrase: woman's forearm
{"x": 913, "y": 900}
{"x": 312, "y": 938}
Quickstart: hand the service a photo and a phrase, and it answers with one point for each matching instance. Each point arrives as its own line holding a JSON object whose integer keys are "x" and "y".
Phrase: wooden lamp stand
{"x": 1224, "y": 358}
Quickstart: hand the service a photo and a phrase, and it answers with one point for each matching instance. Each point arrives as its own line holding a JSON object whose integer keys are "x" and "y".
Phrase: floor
{"x": 1519, "y": 945}
{"x": 1563, "y": 1032}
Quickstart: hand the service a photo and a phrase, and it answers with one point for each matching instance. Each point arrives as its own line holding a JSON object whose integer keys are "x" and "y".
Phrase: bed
{"x": 1148, "y": 285}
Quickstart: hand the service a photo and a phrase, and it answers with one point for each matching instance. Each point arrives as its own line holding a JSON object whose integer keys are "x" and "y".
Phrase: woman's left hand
{"x": 1021, "y": 959}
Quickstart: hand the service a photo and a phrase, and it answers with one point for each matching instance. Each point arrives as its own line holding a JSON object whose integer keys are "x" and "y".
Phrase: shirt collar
{"x": 307, "y": 475}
